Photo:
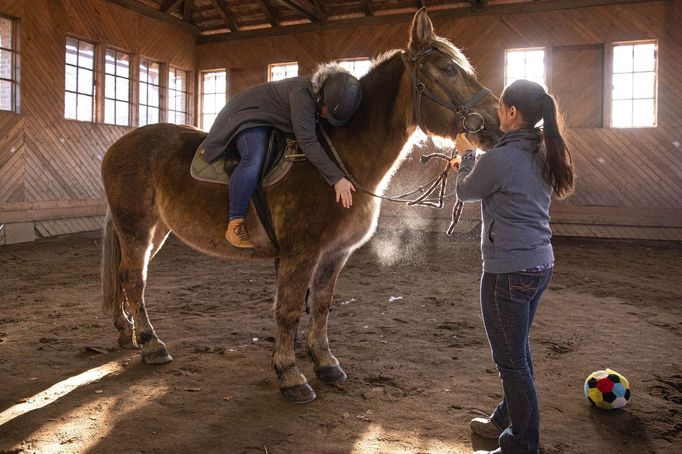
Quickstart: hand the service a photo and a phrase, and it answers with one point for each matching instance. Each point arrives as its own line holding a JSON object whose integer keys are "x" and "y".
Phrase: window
{"x": 8, "y": 65}
{"x": 356, "y": 66}
{"x": 633, "y": 90}
{"x": 213, "y": 96}
{"x": 281, "y": 71}
{"x": 79, "y": 81}
{"x": 524, "y": 64}
{"x": 150, "y": 93}
{"x": 178, "y": 111}
{"x": 117, "y": 88}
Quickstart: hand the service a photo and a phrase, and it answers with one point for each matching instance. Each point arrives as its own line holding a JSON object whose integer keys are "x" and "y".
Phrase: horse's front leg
{"x": 293, "y": 279}
{"x": 326, "y": 365}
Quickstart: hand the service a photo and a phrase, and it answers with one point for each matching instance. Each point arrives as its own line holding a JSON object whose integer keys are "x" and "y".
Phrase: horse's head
{"x": 448, "y": 99}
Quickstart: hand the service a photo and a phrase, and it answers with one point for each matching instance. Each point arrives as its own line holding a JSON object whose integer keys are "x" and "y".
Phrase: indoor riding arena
{"x": 111, "y": 343}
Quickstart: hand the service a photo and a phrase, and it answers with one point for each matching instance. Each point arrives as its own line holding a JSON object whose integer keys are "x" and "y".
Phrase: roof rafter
{"x": 369, "y": 10}
{"x": 169, "y": 5}
{"x": 187, "y": 11}
{"x": 226, "y": 15}
{"x": 308, "y": 9}
{"x": 269, "y": 13}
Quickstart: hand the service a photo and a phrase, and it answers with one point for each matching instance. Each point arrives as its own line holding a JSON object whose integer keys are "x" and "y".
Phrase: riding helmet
{"x": 341, "y": 93}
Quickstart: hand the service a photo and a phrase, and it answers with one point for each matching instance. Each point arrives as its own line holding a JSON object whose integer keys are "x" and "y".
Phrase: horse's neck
{"x": 372, "y": 143}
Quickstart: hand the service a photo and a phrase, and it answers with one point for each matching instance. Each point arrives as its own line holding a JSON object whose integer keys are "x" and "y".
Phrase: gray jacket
{"x": 515, "y": 201}
{"x": 288, "y": 105}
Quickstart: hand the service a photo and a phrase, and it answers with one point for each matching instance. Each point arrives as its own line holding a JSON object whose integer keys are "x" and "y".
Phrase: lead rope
{"x": 438, "y": 183}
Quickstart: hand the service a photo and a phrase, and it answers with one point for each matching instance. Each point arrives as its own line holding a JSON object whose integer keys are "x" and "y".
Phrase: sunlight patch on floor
{"x": 378, "y": 440}
{"x": 58, "y": 390}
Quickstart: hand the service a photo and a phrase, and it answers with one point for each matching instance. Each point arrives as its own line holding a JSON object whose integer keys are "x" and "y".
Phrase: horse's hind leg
{"x": 135, "y": 253}
{"x": 325, "y": 364}
{"x": 293, "y": 278}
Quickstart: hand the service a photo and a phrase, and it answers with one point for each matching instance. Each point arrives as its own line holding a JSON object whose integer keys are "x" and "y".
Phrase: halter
{"x": 412, "y": 65}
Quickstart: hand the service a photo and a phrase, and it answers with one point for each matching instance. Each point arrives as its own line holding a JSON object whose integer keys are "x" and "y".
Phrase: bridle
{"x": 462, "y": 110}
{"x": 419, "y": 89}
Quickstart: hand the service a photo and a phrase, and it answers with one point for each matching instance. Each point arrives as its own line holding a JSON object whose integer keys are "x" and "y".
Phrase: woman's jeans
{"x": 508, "y": 305}
{"x": 252, "y": 147}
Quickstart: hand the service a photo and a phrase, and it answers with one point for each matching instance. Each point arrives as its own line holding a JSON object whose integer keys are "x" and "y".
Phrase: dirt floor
{"x": 405, "y": 326}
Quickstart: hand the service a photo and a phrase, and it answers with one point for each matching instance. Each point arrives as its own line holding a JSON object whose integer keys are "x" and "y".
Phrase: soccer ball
{"x": 607, "y": 389}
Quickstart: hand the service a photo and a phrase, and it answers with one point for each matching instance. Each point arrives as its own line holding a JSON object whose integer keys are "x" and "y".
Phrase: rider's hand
{"x": 455, "y": 162}
{"x": 344, "y": 192}
{"x": 462, "y": 144}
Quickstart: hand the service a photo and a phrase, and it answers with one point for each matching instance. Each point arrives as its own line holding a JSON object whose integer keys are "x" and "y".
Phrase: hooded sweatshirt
{"x": 515, "y": 200}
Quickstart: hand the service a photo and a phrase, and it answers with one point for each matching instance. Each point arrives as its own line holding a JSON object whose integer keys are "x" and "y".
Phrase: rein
{"x": 439, "y": 182}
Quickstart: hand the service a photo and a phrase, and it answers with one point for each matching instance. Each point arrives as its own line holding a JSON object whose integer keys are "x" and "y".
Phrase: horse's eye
{"x": 452, "y": 69}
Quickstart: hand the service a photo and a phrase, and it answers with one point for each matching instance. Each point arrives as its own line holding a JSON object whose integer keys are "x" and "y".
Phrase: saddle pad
{"x": 214, "y": 172}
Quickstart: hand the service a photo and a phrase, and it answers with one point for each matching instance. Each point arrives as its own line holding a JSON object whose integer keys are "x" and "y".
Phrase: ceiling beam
{"x": 169, "y": 5}
{"x": 306, "y": 8}
{"x": 269, "y": 13}
{"x": 187, "y": 11}
{"x": 450, "y": 13}
{"x": 369, "y": 10}
{"x": 226, "y": 15}
{"x": 152, "y": 13}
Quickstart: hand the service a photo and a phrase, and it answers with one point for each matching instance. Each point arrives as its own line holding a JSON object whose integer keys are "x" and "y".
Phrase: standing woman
{"x": 515, "y": 181}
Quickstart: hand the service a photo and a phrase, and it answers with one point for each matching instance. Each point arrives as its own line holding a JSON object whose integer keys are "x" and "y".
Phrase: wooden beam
{"x": 269, "y": 13}
{"x": 369, "y": 10}
{"x": 454, "y": 12}
{"x": 617, "y": 216}
{"x": 306, "y": 8}
{"x": 187, "y": 11}
{"x": 40, "y": 211}
{"x": 137, "y": 7}
{"x": 226, "y": 15}
{"x": 169, "y": 5}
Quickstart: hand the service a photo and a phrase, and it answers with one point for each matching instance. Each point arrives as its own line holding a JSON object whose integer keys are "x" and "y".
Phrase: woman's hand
{"x": 344, "y": 192}
{"x": 462, "y": 144}
{"x": 455, "y": 162}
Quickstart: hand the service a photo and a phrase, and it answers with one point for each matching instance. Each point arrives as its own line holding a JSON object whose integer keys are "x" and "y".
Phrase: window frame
{"x": 188, "y": 99}
{"x": 608, "y": 82}
{"x": 202, "y": 93}
{"x": 160, "y": 87}
{"x": 132, "y": 75}
{"x": 546, "y": 66}
{"x": 96, "y": 65}
{"x": 16, "y": 58}
{"x": 289, "y": 63}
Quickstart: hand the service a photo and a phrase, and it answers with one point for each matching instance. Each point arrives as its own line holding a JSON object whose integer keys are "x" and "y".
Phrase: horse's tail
{"x": 112, "y": 293}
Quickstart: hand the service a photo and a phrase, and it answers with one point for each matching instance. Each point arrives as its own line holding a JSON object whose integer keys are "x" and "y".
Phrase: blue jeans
{"x": 508, "y": 305}
{"x": 252, "y": 146}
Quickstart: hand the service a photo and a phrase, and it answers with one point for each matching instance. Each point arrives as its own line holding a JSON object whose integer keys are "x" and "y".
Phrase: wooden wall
{"x": 49, "y": 166}
{"x": 629, "y": 181}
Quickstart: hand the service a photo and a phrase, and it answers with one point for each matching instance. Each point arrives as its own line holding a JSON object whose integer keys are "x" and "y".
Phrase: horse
{"x": 150, "y": 194}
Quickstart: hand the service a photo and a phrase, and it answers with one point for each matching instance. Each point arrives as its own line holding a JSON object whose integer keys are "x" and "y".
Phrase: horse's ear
{"x": 421, "y": 32}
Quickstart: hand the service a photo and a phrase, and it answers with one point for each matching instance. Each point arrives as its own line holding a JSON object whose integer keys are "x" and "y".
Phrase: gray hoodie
{"x": 515, "y": 200}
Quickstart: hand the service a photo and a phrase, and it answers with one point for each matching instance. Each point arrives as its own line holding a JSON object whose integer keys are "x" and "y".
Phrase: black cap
{"x": 341, "y": 93}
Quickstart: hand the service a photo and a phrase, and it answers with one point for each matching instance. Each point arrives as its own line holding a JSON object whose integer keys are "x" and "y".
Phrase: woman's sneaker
{"x": 485, "y": 428}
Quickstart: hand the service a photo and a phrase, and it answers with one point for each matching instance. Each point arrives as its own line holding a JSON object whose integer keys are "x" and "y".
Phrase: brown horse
{"x": 151, "y": 193}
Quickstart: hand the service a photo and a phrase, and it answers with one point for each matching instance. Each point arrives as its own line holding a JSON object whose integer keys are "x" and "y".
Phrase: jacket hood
{"x": 323, "y": 71}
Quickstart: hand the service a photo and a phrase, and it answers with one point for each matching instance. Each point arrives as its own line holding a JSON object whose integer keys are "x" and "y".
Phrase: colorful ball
{"x": 607, "y": 389}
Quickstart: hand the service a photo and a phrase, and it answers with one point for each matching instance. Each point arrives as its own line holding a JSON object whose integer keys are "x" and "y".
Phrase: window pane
{"x": 209, "y": 83}
{"x": 621, "y": 116}
{"x": 6, "y": 95}
{"x": 209, "y": 104}
{"x": 143, "y": 94}
{"x": 142, "y": 116}
{"x": 86, "y": 55}
{"x": 153, "y": 115}
{"x": 153, "y": 96}
{"x": 207, "y": 121}
{"x": 622, "y": 86}
{"x": 84, "y": 108}
{"x": 154, "y": 73}
{"x": 622, "y": 59}
{"x": 109, "y": 111}
{"x": 85, "y": 82}
{"x": 645, "y": 57}
{"x": 643, "y": 112}
{"x": 110, "y": 62}
{"x": 644, "y": 85}
{"x": 123, "y": 65}
{"x": 122, "y": 113}
{"x": 143, "y": 72}
{"x": 122, "y": 89}
{"x": 71, "y": 51}
{"x": 6, "y": 33}
{"x": 110, "y": 86}
{"x": 70, "y": 105}
{"x": 70, "y": 78}
{"x": 171, "y": 101}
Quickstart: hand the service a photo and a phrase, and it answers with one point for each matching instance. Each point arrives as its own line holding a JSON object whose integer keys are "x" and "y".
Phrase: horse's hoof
{"x": 331, "y": 374}
{"x": 160, "y": 356}
{"x": 300, "y": 394}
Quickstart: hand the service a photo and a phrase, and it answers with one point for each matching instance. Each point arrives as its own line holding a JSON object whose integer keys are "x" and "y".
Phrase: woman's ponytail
{"x": 559, "y": 161}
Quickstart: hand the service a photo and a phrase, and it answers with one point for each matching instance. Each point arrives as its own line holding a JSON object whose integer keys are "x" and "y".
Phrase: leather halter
{"x": 462, "y": 110}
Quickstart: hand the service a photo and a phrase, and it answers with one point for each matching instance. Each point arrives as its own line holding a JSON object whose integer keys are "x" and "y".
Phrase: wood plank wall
{"x": 629, "y": 181}
{"x": 49, "y": 166}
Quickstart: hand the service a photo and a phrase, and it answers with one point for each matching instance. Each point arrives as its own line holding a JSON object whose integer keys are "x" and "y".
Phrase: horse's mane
{"x": 439, "y": 43}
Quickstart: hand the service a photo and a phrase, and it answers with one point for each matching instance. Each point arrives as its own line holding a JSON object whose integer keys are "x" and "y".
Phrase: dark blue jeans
{"x": 252, "y": 146}
{"x": 508, "y": 305}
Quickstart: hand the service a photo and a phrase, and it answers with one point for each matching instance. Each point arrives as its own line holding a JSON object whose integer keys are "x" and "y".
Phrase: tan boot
{"x": 237, "y": 235}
